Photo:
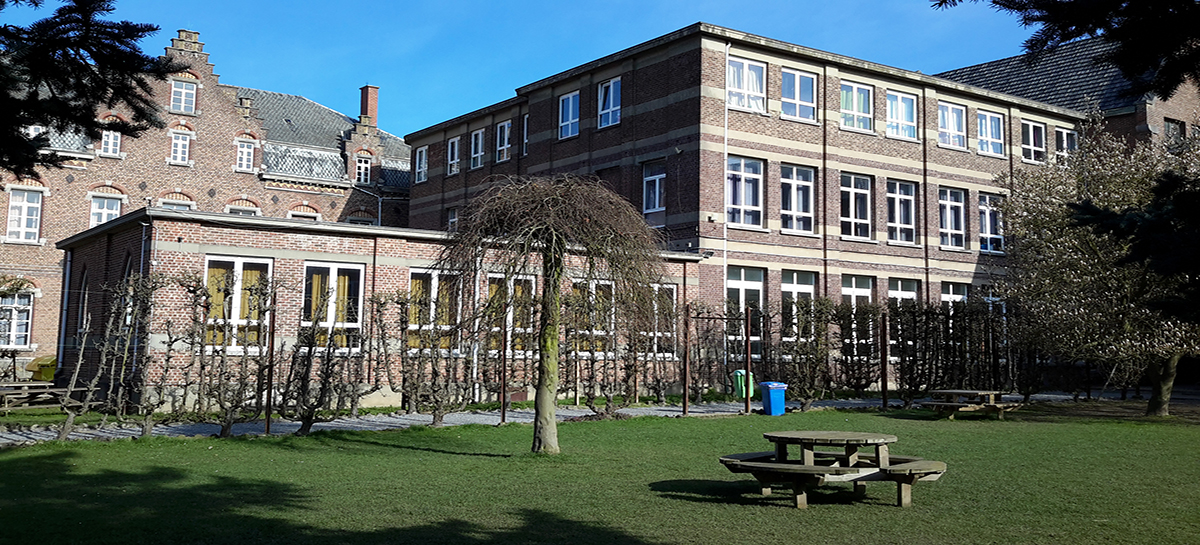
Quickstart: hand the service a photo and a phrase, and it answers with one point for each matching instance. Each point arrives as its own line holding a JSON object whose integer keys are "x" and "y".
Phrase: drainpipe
{"x": 725, "y": 222}
{"x": 62, "y": 319}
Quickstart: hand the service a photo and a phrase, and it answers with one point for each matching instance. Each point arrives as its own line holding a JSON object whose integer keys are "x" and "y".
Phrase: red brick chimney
{"x": 369, "y": 113}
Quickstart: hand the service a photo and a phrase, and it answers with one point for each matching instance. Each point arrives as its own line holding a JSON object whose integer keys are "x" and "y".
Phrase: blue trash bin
{"x": 772, "y": 397}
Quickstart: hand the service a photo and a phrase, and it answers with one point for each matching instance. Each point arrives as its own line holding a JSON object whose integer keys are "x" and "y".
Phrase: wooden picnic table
{"x": 949, "y": 402}
{"x": 850, "y": 441}
{"x": 29, "y": 394}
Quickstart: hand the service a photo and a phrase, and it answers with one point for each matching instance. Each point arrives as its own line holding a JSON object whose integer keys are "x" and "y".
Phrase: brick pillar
{"x": 369, "y": 112}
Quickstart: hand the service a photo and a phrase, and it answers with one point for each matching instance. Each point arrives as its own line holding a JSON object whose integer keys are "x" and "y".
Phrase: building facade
{"x": 225, "y": 149}
{"x": 797, "y": 173}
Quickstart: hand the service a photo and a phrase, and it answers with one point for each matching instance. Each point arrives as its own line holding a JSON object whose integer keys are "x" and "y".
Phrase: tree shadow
{"x": 338, "y": 438}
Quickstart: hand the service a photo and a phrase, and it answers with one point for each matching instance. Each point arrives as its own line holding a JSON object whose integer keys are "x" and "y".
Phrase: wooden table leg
{"x": 781, "y": 451}
{"x": 851, "y": 455}
{"x": 806, "y": 454}
{"x": 904, "y": 490}
{"x": 881, "y": 456}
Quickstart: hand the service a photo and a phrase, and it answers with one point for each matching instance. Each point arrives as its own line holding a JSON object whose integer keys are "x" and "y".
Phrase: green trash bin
{"x": 739, "y": 380}
{"x": 43, "y": 368}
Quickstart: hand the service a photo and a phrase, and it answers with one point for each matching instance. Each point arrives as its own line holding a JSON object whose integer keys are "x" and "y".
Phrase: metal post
{"x": 504, "y": 363}
{"x": 270, "y": 371}
{"x": 883, "y": 358}
{"x": 746, "y": 355}
{"x": 687, "y": 351}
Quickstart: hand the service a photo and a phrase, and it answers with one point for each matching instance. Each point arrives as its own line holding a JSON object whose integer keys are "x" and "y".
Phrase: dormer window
{"x": 362, "y": 169}
{"x": 183, "y": 97}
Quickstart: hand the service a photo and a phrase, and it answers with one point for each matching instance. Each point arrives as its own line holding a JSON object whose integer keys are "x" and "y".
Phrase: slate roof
{"x": 1065, "y": 76}
{"x": 293, "y": 119}
{"x": 303, "y": 162}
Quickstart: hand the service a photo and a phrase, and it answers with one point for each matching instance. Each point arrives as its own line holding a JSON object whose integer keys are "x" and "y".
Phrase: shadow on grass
{"x": 747, "y": 492}
{"x": 332, "y": 438}
{"x": 48, "y": 498}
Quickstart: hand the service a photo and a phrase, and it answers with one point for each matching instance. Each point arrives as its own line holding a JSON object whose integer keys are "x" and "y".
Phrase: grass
{"x": 642, "y": 480}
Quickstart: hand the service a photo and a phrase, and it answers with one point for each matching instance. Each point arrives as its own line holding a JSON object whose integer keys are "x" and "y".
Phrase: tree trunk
{"x": 545, "y": 424}
{"x": 148, "y": 424}
{"x": 68, "y": 426}
{"x": 1162, "y": 380}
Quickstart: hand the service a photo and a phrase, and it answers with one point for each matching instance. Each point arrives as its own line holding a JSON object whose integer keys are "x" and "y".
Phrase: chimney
{"x": 369, "y": 113}
{"x": 188, "y": 40}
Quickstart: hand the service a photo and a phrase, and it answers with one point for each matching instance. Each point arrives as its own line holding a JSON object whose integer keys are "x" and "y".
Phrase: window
{"x": 503, "y": 140}
{"x": 742, "y": 191}
{"x": 304, "y": 213}
{"x": 857, "y": 290}
{"x": 902, "y": 289}
{"x": 952, "y": 125}
{"x": 954, "y": 292}
{"x": 243, "y": 210}
{"x": 452, "y": 156}
{"x": 332, "y": 305}
{"x": 798, "y": 96}
{"x": 610, "y": 102}
{"x": 795, "y": 203}
{"x": 658, "y": 337}
{"x": 902, "y": 206}
{"x": 991, "y": 133}
{"x": 16, "y": 311}
{"x": 654, "y": 193}
{"x": 856, "y": 106}
{"x": 362, "y": 169}
{"x": 745, "y": 82}
{"x": 856, "y": 206}
{"x": 525, "y": 135}
{"x": 991, "y": 229}
{"x": 477, "y": 149}
{"x": 24, "y": 216}
{"x": 110, "y": 144}
{"x": 176, "y": 205}
{"x": 434, "y": 305}
{"x": 744, "y": 288}
{"x": 901, "y": 115}
{"x": 593, "y": 323}
{"x": 181, "y": 144}
{"x": 510, "y": 313}
{"x": 568, "y": 115}
{"x": 1065, "y": 142}
{"x": 452, "y": 219}
{"x": 245, "y": 156}
{"x": 950, "y": 214}
{"x": 1033, "y": 141}
{"x": 1173, "y": 131}
{"x": 799, "y": 290}
{"x": 104, "y": 209}
{"x": 238, "y": 297}
{"x": 421, "y": 164}
{"x": 183, "y": 97}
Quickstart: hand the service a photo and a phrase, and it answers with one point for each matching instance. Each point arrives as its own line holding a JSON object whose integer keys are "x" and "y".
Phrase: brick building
{"x": 796, "y": 172}
{"x": 226, "y": 149}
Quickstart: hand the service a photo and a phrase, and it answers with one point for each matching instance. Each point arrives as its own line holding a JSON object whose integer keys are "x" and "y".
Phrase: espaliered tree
{"x": 566, "y": 226}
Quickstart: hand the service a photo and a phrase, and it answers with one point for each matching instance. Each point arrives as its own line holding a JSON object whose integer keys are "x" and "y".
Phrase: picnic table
{"x": 29, "y": 394}
{"x": 949, "y": 402}
{"x": 846, "y": 464}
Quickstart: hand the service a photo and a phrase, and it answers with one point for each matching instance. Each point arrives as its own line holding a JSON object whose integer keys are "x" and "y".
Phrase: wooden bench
{"x": 800, "y": 477}
{"x": 908, "y": 473}
{"x": 30, "y": 395}
{"x": 949, "y": 409}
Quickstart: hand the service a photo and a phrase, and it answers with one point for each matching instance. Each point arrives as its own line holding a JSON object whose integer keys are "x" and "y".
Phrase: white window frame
{"x": 991, "y": 133}
{"x": 183, "y": 96}
{"x": 952, "y": 218}
{"x": 1031, "y": 150}
{"x": 854, "y": 290}
{"x": 952, "y": 125}
{"x": 795, "y": 286}
{"x": 24, "y": 224}
{"x": 568, "y": 115}
{"x": 244, "y": 160}
{"x": 174, "y": 204}
{"x": 435, "y": 280}
{"x": 793, "y": 106}
{"x": 743, "y": 191}
{"x": 955, "y": 292}
{"x": 181, "y": 148}
{"x": 603, "y": 327}
{"x": 900, "y": 204}
{"x": 903, "y": 289}
{"x": 234, "y": 299}
{"x": 740, "y": 93}
{"x": 661, "y": 335}
{"x": 310, "y": 216}
{"x": 608, "y": 96}
{"x": 991, "y": 224}
{"x": 796, "y": 198}
{"x": 104, "y": 214}
{"x": 362, "y": 169}
{"x": 855, "y": 210}
{"x": 654, "y": 192}
{"x": 503, "y": 141}
{"x": 421, "y": 164}
{"x": 16, "y": 320}
{"x": 452, "y": 219}
{"x": 329, "y": 321}
{"x": 529, "y": 333}
{"x": 477, "y": 149}
{"x": 110, "y": 144}
{"x": 902, "y": 115}
{"x": 241, "y": 210}
{"x": 858, "y": 115}
{"x": 452, "y": 154}
{"x": 738, "y": 290}
{"x": 1066, "y": 141}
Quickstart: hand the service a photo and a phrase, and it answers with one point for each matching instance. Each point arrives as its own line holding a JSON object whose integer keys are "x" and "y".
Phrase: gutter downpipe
{"x": 725, "y": 221}
{"x": 62, "y": 318}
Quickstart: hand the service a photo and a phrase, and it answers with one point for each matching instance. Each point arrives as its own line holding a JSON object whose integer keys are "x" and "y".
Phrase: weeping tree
{"x": 565, "y": 225}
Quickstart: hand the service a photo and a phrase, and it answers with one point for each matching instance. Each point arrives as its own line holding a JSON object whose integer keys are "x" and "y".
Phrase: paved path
{"x": 398, "y": 420}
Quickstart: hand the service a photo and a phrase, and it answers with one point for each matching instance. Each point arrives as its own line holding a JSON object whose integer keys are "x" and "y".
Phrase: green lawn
{"x": 646, "y": 480}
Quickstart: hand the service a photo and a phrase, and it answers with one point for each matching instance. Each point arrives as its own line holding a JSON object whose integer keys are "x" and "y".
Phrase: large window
{"x": 856, "y": 206}
{"x": 746, "y": 85}
{"x": 477, "y": 149}
{"x": 857, "y": 290}
{"x": 654, "y": 193}
{"x": 609, "y": 94}
{"x": 452, "y": 156}
{"x": 901, "y": 115}
{"x": 421, "y": 164}
{"x": 902, "y": 206}
{"x": 1065, "y": 142}
{"x": 181, "y": 148}
{"x": 991, "y": 229}
{"x": 433, "y": 310}
{"x": 239, "y": 292}
{"x": 333, "y": 295}
{"x": 798, "y": 95}
{"x": 796, "y": 198}
{"x": 954, "y": 292}
{"x": 24, "y": 216}
{"x": 503, "y": 140}
{"x": 744, "y": 287}
{"x": 799, "y": 290}
{"x": 658, "y": 337}
{"x": 16, "y": 312}
{"x": 245, "y": 156}
{"x": 593, "y": 316}
{"x": 743, "y": 191}
{"x": 104, "y": 209}
{"x": 950, "y": 214}
{"x": 991, "y": 133}
{"x": 1033, "y": 141}
{"x": 902, "y": 289}
{"x": 110, "y": 144}
{"x": 183, "y": 97}
{"x": 362, "y": 169}
{"x": 568, "y": 115}
{"x": 952, "y": 125}
{"x": 511, "y": 314}
{"x": 856, "y": 105}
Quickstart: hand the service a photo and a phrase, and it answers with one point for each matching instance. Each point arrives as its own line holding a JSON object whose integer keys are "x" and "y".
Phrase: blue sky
{"x": 437, "y": 60}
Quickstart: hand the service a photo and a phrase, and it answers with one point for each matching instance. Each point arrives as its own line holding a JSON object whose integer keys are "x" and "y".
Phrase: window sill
{"x": 992, "y": 155}
{"x": 848, "y": 238}
{"x": 859, "y": 131}
{"x": 246, "y": 171}
{"x": 803, "y": 120}
{"x": 992, "y": 252}
{"x": 453, "y": 173}
{"x": 1032, "y": 162}
{"x": 954, "y": 249}
{"x": 600, "y": 127}
{"x": 188, "y": 164}
{"x": 953, "y": 148}
{"x": 118, "y": 156}
{"x": 902, "y": 244}
{"x": 181, "y": 112}
{"x": 746, "y": 110}
{"x": 903, "y": 139}
{"x": 39, "y": 242}
{"x": 796, "y": 233}
{"x": 565, "y": 138}
{"x": 502, "y": 161}
{"x": 744, "y": 227}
